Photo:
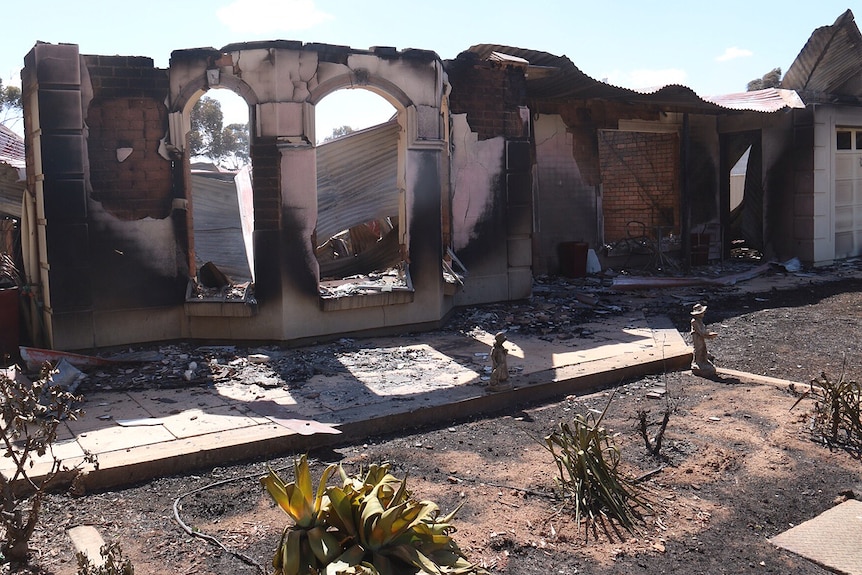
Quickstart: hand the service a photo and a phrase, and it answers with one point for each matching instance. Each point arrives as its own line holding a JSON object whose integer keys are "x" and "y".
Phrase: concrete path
{"x": 833, "y": 539}
{"x": 138, "y": 435}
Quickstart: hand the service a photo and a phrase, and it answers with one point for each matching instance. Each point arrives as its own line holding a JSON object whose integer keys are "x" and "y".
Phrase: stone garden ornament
{"x": 701, "y": 361}
{"x": 499, "y": 365}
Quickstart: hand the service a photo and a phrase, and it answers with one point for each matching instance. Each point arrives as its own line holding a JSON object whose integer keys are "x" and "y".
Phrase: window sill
{"x": 358, "y": 301}
{"x": 239, "y": 301}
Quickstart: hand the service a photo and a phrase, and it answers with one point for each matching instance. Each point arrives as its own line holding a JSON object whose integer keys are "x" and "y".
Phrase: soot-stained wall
{"x": 109, "y": 164}
{"x": 492, "y": 195}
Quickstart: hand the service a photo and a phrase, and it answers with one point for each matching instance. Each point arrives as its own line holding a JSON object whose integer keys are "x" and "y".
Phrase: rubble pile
{"x": 556, "y": 311}
{"x": 559, "y": 309}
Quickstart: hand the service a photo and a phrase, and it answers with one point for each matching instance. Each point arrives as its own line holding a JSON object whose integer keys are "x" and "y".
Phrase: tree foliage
{"x": 771, "y": 79}
{"x": 11, "y": 106}
{"x": 227, "y": 146}
{"x": 338, "y": 132}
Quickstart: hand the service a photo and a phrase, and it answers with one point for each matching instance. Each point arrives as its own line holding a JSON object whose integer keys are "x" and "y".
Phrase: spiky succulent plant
{"x": 369, "y": 525}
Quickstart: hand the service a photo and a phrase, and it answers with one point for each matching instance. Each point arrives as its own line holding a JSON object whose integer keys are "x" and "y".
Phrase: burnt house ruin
{"x": 492, "y": 166}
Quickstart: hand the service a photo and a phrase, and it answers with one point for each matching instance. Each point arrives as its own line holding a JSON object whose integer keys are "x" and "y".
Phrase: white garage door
{"x": 848, "y": 192}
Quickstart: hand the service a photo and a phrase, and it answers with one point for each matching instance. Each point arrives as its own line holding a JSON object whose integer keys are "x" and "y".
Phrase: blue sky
{"x": 712, "y": 47}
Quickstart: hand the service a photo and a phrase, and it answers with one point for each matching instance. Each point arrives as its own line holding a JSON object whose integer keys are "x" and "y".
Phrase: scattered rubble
{"x": 557, "y": 311}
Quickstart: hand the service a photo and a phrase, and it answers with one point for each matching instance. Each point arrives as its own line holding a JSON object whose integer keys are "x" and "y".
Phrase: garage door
{"x": 848, "y": 192}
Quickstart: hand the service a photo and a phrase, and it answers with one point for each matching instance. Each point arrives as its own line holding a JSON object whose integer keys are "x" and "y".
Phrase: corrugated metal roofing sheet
{"x": 217, "y": 228}
{"x": 830, "y": 64}
{"x": 357, "y": 179}
{"x": 12, "y": 187}
{"x": 569, "y": 82}
{"x": 11, "y": 148}
{"x": 12, "y": 172}
{"x": 768, "y": 100}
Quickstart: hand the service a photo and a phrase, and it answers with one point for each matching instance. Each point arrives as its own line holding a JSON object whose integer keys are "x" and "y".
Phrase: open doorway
{"x": 221, "y": 198}
{"x": 360, "y": 204}
{"x": 743, "y": 199}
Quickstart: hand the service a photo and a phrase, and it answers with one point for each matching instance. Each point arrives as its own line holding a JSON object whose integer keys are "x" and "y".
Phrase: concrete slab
{"x": 89, "y": 541}
{"x": 192, "y": 422}
{"x": 426, "y": 379}
{"x": 161, "y": 403}
{"x": 104, "y": 406}
{"x": 306, "y": 405}
{"x": 235, "y": 391}
{"x": 67, "y": 450}
{"x": 833, "y": 539}
{"x": 113, "y": 437}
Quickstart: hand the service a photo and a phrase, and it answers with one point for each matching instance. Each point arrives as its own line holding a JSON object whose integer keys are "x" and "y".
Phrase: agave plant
{"x": 390, "y": 531}
{"x": 306, "y": 546}
{"x": 587, "y": 462}
{"x": 370, "y": 525}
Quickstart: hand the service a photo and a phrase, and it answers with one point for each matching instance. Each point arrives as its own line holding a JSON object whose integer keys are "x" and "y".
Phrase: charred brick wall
{"x": 640, "y": 176}
{"x": 265, "y": 158}
{"x": 490, "y": 94}
{"x": 128, "y": 112}
{"x": 493, "y": 96}
{"x": 579, "y": 121}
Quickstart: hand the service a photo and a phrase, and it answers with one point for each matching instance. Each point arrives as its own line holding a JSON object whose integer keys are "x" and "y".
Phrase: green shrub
{"x": 587, "y": 461}
{"x": 368, "y": 525}
{"x": 837, "y": 411}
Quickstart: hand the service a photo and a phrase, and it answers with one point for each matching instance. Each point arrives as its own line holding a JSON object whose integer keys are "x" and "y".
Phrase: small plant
{"x": 837, "y": 410}
{"x": 112, "y": 562}
{"x": 370, "y": 525}
{"x": 587, "y": 462}
{"x": 306, "y": 546}
{"x": 653, "y": 444}
{"x": 31, "y": 413}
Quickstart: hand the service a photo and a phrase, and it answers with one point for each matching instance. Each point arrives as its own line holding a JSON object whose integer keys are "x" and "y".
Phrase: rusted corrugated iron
{"x": 829, "y": 65}
{"x": 767, "y": 100}
{"x": 569, "y": 82}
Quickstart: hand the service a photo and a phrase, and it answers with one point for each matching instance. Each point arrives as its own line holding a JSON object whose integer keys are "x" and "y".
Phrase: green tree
{"x": 235, "y": 143}
{"x": 11, "y": 108}
{"x": 227, "y": 146}
{"x": 338, "y": 132}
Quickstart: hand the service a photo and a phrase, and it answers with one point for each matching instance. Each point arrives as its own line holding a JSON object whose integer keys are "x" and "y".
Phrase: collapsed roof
{"x": 829, "y": 67}
{"x": 551, "y": 77}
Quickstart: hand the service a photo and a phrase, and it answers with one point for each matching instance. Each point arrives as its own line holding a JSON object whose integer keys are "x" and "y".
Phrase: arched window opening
{"x": 360, "y": 206}
{"x": 221, "y": 198}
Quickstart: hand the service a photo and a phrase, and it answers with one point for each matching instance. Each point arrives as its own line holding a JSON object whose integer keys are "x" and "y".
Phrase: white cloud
{"x": 639, "y": 79}
{"x": 267, "y": 16}
{"x": 733, "y": 53}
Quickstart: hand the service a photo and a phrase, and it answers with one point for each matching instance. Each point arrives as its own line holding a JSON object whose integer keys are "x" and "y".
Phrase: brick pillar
{"x": 267, "y": 218}
{"x": 519, "y": 218}
{"x": 56, "y": 148}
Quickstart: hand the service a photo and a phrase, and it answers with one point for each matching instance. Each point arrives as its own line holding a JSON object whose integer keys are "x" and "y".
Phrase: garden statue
{"x": 701, "y": 363}
{"x": 499, "y": 367}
